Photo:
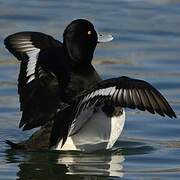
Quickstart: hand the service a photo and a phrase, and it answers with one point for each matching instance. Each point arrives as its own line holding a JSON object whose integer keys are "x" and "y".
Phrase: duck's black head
{"x": 80, "y": 40}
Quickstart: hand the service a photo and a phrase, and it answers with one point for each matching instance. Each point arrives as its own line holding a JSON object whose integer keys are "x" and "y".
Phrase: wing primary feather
{"x": 125, "y": 97}
{"x": 130, "y": 100}
{"x": 158, "y": 108}
{"x": 152, "y": 101}
{"x": 140, "y": 105}
{"x": 163, "y": 104}
{"x": 146, "y": 101}
{"x": 120, "y": 97}
{"x": 135, "y": 98}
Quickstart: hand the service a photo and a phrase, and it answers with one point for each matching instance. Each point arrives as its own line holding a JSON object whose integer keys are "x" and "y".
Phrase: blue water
{"x": 146, "y": 45}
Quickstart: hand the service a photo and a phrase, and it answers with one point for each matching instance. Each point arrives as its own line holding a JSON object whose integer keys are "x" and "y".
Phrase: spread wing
{"x": 127, "y": 92}
{"x": 122, "y": 91}
{"x": 38, "y": 82}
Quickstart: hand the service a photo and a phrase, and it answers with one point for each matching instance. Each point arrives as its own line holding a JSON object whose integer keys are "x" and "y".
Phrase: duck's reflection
{"x": 93, "y": 164}
{"x": 69, "y": 165}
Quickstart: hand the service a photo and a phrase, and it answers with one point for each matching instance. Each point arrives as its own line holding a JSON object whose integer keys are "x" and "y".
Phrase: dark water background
{"x": 146, "y": 46}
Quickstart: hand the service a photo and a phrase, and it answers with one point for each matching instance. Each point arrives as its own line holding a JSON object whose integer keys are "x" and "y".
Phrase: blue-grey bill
{"x": 104, "y": 38}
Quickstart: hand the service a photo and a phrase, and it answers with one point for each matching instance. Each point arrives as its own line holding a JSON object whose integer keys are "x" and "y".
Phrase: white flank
{"x": 99, "y": 132}
{"x": 117, "y": 124}
{"x": 81, "y": 119}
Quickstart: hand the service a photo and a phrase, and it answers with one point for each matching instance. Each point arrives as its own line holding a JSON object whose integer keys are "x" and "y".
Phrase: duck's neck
{"x": 82, "y": 68}
{"x": 78, "y": 55}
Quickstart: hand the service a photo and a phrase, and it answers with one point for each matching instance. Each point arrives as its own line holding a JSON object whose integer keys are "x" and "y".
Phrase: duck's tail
{"x": 15, "y": 145}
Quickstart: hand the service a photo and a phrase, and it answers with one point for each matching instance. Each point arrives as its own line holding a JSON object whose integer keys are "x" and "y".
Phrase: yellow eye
{"x": 89, "y": 32}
